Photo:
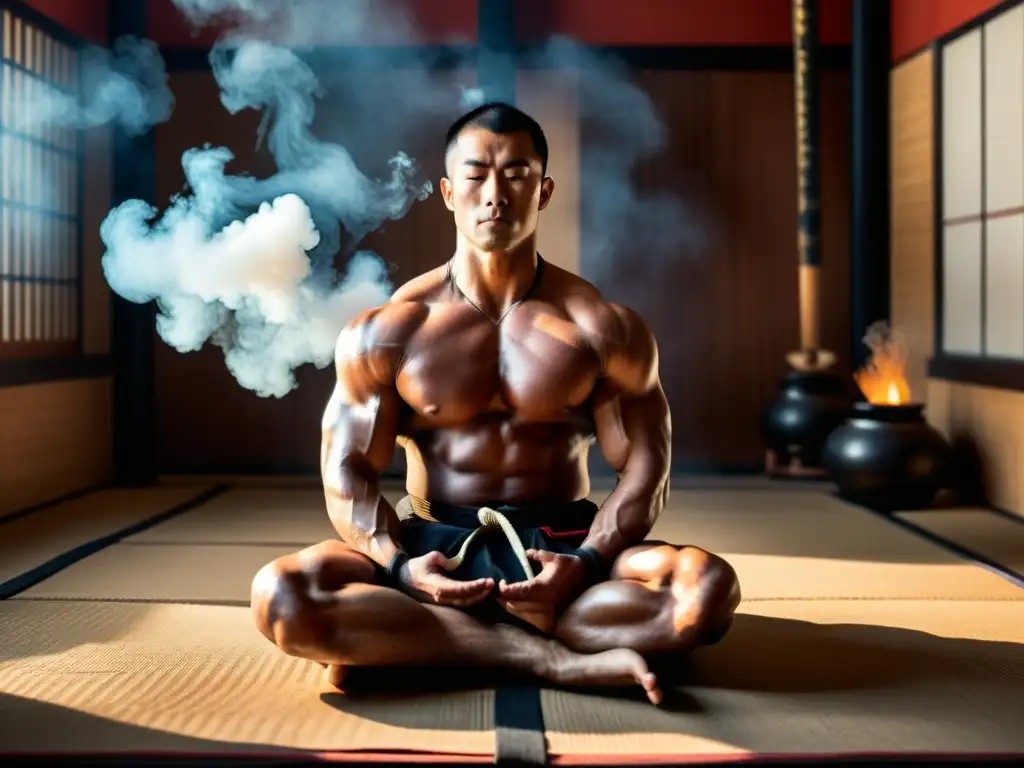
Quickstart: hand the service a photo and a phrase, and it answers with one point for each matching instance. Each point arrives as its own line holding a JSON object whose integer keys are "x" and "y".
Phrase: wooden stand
{"x": 810, "y": 358}
{"x": 793, "y": 470}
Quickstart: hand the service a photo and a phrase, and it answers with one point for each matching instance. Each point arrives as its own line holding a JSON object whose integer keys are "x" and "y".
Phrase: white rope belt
{"x": 492, "y": 518}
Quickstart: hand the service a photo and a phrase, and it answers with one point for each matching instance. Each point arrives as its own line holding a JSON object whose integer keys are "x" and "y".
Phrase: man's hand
{"x": 425, "y": 579}
{"x": 562, "y": 578}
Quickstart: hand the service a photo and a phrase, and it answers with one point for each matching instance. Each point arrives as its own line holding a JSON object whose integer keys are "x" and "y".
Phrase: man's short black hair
{"x": 498, "y": 117}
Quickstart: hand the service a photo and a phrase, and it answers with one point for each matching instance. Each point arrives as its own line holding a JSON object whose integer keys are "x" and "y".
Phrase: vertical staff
{"x": 808, "y": 149}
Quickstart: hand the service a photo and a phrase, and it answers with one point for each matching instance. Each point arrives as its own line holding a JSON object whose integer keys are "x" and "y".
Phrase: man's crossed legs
{"x": 327, "y": 604}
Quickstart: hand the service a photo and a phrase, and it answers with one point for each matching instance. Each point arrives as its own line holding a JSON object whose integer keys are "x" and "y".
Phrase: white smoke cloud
{"x": 246, "y": 287}
{"x": 247, "y": 263}
{"x": 203, "y": 11}
{"x": 261, "y": 285}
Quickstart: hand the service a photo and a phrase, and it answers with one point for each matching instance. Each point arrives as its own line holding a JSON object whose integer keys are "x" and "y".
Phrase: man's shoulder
{"x": 423, "y": 288}
{"x": 383, "y": 330}
{"x": 407, "y": 307}
{"x": 390, "y": 325}
{"x": 578, "y": 297}
{"x": 594, "y": 313}
{"x": 620, "y": 335}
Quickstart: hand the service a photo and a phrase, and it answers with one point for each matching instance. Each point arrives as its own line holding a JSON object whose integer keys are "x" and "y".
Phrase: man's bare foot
{"x": 336, "y": 674}
{"x": 541, "y": 616}
{"x": 619, "y": 667}
{"x": 549, "y": 659}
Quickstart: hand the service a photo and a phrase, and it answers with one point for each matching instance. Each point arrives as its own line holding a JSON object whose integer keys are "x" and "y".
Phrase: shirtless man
{"x": 495, "y": 372}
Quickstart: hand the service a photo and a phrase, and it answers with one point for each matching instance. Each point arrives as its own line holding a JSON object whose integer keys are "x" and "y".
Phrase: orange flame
{"x": 883, "y": 380}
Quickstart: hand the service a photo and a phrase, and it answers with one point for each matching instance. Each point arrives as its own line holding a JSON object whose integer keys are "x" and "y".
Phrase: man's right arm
{"x": 360, "y": 426}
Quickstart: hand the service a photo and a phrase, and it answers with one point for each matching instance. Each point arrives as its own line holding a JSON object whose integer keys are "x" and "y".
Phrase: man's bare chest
{"x": 536, "y": 363}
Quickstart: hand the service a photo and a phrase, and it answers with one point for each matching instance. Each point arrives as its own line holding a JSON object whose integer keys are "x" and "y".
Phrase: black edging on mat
{"x": 977, "y": 558}
{"x": 53, "y": 566}
{"x": 519, "y": 734}
{"x": 1005, "y": 514}
{"x": 10, "y": 517}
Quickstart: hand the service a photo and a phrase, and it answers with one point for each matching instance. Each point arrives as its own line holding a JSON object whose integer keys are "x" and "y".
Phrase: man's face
{"x": 495, "y": 188}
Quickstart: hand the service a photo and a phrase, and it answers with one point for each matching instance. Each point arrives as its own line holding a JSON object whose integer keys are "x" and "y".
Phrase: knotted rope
{"x": 492, "y": 518}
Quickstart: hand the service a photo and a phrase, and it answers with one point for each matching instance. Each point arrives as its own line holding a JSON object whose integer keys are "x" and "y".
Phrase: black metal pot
{"x": 887, "y": 457}
{"x": 809, "y": 407}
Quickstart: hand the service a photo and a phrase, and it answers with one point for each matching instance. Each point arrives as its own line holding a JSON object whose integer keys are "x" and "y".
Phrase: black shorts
{"x": 557, "y": 527}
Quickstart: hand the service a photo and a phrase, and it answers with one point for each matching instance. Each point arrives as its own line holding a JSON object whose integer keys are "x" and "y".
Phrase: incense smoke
{"x": 126, "y": 86}
{"x": 619, "y": 223}
{"x": 248, "y": 264}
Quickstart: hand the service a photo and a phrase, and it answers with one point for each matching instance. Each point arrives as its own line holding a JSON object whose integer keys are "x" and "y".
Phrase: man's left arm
{"x": 634, "y": 433}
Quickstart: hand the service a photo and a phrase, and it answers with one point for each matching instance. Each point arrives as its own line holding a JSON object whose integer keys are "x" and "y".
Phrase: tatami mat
{"x": 853, "y": 555}
{"x": 777, "y": 554}
{"x": 299, "y": 517}
{"x": 29, "y": 541}
{"x": 854, "y": 636}
{"x": 828, "y": 677}
{"x": 296, "y": 517}
{"x": 991, "y": 534}
{"x": 101, "y": 676}
{"x": 726, "y": 500}
{"x": 806, "y": 677}
{"x": 195, "y": 573}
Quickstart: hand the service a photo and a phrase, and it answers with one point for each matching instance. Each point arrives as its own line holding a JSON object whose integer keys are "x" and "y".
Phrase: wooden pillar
{"x": 869, "y": 170}
{"x": 496, "y": 36}
{"x": 133, "y": 325}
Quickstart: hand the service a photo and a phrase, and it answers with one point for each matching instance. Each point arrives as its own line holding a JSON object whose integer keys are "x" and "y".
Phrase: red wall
{"x": 598, "y": 22}
{"x": 676, "y": 22}
{"x": 438, "y": 21}
{"x": 916, "y": 23}
{"x": 86, "y": 18}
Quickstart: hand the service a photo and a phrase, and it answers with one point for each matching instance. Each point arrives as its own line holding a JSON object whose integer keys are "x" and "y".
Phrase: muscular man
{"x": 496, "y": 372}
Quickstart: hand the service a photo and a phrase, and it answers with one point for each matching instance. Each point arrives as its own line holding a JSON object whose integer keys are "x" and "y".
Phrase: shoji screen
{"x": 40, "y": 172}
{"x": 982, "y": 156}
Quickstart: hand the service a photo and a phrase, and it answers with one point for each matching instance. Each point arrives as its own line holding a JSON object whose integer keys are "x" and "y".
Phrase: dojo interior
{"x": 141, "y": 488}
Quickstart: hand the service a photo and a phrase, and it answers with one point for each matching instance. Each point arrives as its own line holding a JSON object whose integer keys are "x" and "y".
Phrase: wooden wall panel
{"x": 56, "y": 439}
{"x": 56, "y": 436}
{"x": 726, "y": 313}
{"x": 95, "y": 206}
{"x": 992, "y": 422}
{"x": 551, "y": 98}
{"x": 912, "y": 223}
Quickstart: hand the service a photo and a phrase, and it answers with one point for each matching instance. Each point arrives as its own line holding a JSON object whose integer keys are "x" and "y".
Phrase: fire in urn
{"x": 886, "y": 456}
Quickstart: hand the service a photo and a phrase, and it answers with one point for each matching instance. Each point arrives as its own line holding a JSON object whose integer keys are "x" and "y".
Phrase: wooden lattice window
{"x": 40, "y": 197}
{"x": 980, "y": 242}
